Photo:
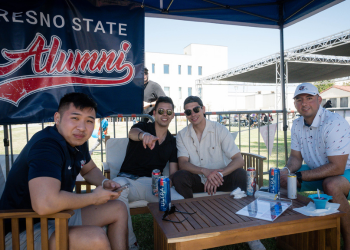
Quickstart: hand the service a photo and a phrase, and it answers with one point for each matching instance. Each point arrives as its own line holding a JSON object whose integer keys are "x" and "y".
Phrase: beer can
{"x": 292, "y": 186}
{"x": 251, "y": 183}
{"x": 164, "y": 193}
{"x": 155, "y": 176}
{"x": 274, "y": 180}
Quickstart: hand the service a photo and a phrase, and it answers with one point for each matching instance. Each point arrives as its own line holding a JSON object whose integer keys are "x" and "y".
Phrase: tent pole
{"x": 6, "y": 145}
{"x": 283, "y": 93}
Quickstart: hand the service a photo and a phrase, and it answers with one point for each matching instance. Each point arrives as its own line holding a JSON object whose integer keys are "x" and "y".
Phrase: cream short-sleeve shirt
{"x": 328, "y": 135}
{"x": 214, "y": 151}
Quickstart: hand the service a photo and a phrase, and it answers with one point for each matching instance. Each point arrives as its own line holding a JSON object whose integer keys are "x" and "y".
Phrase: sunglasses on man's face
{"x": 162, "y": 111}
{"x": 172, "y": 210}
{"x": 188, "y": 112}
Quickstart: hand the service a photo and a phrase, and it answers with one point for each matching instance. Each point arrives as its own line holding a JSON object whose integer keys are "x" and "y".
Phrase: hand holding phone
{"x": 119, "y": 189}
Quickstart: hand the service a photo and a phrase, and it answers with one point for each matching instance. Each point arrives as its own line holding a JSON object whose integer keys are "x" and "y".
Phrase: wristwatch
{"x": 298, "y": 174}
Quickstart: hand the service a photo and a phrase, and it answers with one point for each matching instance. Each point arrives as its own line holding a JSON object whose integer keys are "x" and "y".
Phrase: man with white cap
{"x": 322, "y": 139}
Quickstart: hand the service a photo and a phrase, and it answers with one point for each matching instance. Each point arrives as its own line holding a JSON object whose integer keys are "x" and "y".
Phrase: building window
{"x": 334, "y": 102}
{"x": 199, "y": 70}
{"x": 189, "y": 91}
{"x": 180, "y": 93}
{"x": 167, "y": 91}
{"x": 179, "y": 69}
{"x": 344, "y": 102}
{"x": 153, "y": 68}
{"x": 166, "y": 68}
{"x": 200, "y": 92}
{"x": 190, "y": 70}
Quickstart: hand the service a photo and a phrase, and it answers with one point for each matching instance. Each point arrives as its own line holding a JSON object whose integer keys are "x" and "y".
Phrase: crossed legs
{"x": 91, "y": 235}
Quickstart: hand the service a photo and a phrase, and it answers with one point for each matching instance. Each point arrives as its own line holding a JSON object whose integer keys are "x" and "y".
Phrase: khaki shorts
{"x": 75, "y": 220}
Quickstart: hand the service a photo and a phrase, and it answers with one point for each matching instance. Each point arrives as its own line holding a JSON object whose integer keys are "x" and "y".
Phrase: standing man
{"x": 152, "y": 91}
{"x": 151, "y": 146}
{"x": 322, "y": 139}
{"x": 43, "y": 178}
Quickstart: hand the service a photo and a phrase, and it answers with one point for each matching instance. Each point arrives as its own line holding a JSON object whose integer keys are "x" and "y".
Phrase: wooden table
{"x": 217, "y": 224}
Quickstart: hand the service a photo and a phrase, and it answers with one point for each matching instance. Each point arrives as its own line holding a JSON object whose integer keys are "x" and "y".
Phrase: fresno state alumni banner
{"x": 53, "y": 47}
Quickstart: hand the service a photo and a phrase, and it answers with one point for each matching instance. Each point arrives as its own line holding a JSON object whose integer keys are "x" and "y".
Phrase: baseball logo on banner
{"x": 268, "y": 135}
{"x": 58, "y": 47}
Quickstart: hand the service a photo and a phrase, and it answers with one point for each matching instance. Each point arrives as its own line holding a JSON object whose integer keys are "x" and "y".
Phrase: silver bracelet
{"x": 221, "y": 174}
{"x": 287, "y": 168}
{"x": 104, "y": 181}
{"x": 145, "y": 134}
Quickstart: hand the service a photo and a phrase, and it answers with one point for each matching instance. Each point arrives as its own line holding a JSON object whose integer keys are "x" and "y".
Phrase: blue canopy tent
{"x": 276, "y": 14}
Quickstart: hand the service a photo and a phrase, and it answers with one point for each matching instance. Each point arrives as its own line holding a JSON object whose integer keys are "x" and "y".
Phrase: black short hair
{"x": 79, "y": 100}
{"x": 165, "y": 99}
{"x": 192, "y": 98}
{"x": 146, "y": 71}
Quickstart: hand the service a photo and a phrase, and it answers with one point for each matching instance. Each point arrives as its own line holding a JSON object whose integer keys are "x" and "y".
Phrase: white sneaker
{"x": 134, "y": 246}
{"x": 256, "y": 245}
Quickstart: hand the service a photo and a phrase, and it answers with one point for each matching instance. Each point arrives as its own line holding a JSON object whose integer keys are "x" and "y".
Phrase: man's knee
{"x": 181, "y": 177}
{"x": 335, "y": 185}
{"x": 88, "y": 237}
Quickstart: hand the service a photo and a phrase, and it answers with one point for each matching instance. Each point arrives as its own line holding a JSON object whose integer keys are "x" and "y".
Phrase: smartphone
{"x": 119, "y": 189}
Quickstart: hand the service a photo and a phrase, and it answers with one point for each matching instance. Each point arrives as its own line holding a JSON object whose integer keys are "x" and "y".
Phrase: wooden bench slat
{"x": 30, "y": 233}
{"x": 15, "y": 234}
{"x": 44, "y": 234}
{"x": 61, "y": 233}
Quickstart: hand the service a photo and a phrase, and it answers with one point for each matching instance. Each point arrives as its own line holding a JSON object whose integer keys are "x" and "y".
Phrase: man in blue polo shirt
{"x": 43, "y": 177}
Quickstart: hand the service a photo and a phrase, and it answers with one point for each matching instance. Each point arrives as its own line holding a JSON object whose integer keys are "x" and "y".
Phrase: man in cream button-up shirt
{"x": 208, "y": 157}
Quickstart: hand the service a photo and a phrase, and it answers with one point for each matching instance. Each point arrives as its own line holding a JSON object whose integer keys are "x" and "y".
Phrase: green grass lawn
{"x": 143, "y": 224}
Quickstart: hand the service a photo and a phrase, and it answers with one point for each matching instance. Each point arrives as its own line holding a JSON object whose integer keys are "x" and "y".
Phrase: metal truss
{"x": 263, "y": 62}
{"x": 319, "y": 59}
{"x": 322, "y": 44}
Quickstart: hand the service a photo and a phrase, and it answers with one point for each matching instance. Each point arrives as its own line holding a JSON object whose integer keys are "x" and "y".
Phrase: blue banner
{"x": 53, "y": 47}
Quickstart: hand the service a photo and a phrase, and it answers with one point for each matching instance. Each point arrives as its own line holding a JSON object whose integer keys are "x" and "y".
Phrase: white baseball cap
{"x": 306, "y": 88}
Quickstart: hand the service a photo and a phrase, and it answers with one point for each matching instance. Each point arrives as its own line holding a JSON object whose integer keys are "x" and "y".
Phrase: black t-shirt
{"x": 46, "y": 155}
{"x": 140, "y": 161}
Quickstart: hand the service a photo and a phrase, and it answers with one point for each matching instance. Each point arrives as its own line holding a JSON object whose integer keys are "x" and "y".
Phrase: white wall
{"x": 211, "y": 58}
{"x": 335, "y": 93}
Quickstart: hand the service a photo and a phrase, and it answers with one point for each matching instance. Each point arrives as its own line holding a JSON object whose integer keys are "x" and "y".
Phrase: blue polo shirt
{"x": 46, "y": 155}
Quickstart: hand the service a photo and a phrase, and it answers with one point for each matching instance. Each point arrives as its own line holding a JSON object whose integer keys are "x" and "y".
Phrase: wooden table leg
{"x": 160, "y": 241}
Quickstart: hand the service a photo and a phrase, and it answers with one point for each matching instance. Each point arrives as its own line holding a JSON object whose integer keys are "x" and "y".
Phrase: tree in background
{"x": 323, "y": 85}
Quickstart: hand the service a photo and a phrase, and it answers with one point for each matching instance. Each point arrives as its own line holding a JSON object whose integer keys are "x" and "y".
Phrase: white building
{"x": 177, "y": 73}
{"x": 339, "y": 96}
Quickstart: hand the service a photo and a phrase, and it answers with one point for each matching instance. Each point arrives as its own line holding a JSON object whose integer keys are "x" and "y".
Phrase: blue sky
{"x": 244, "y": 44}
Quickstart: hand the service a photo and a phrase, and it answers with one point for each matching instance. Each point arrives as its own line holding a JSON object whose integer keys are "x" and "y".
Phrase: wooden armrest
{"x": 29, "y": 213}
{"x": 254, "y": 155}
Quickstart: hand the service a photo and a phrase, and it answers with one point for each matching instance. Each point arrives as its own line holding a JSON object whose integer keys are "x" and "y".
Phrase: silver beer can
{"x": 292, "y": 186}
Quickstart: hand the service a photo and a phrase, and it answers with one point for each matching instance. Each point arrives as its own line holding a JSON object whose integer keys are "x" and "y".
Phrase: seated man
{"x": 150, "y": 147}
{"x": 321, "y": 139}
{"x": 209, "y": 159}
{"x": 43, "y": 178}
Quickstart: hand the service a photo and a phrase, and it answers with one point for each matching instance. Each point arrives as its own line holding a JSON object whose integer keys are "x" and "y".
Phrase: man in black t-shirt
{"x": 43, "y": 178}
{"x": 151, "y": 146}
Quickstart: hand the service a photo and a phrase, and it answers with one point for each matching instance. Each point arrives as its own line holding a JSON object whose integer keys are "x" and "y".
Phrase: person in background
{"x": 328, "y": 104}
{"x": 152, "y": 91}
{"x": 321, "y": 139}
{"x": 103, "y": 133}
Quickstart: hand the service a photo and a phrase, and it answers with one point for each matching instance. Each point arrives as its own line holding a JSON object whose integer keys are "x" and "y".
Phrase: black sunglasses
{"x": 172, "y": 210}
{"x": 168, "y": 111}
{"x": 188, "y": 112}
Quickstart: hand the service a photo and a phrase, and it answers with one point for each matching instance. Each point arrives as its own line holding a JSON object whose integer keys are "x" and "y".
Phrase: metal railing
{"x": 248, "y": 134}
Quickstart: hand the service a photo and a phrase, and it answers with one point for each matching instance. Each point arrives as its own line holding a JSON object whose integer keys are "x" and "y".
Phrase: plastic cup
{"x": 320, "y": 203}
